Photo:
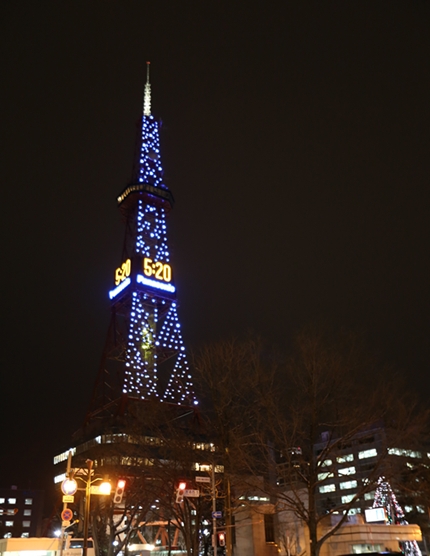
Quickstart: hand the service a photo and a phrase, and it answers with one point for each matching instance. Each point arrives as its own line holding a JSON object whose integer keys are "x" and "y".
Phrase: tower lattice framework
{"x": 144, "y": 356}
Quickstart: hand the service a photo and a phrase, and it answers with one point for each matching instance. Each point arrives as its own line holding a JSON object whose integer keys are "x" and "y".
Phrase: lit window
{"x": 27, "y": 512}
{"x": 64, "y": 456}
{"x": 328, "y": 488}
{"x": 369, "y": 496}
{"x": 28, "y": 501}
{"x": 1, "y": 500}
{"x": 348, "y": 484}
{"x": 11, "y": 500}
{"x": 326, "y": 463}
{"x": 354, "y": 511}
{"x": 363, "y": 548}
{"x": 8, "y": 523}
{"x": 402, "y": 452}
{"x": 367, "y": 453}
{"x": 25, "y": 535}
{"x": 26, "y": 523}
{"x": 324, "y": 476}
{"x": 421, "y": 509}
{"x": 346, "y": 471}
{"x": 10, "y": 512}
{"x": 345, "y": 459}
{"x": 409, "y": 509}
{"x": 347, "y": 498}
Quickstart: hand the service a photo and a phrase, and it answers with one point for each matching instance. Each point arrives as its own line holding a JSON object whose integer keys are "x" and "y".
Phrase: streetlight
{"x": 89, "y": 463}
{"x": 103, "y": 489}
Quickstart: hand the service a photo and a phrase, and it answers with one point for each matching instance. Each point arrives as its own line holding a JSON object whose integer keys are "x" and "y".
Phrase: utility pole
{"x": 228, "y": 520}
{"x": 87, "y": 507}
{"x": 63, "y": 527}
{"x": 214, "y": 538}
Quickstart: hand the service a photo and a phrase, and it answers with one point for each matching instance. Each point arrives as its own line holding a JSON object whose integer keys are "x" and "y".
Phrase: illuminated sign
{"x": 155, "y": 284}
{"x": 120, "y": 288}
{"x": 377, "y": 515}
{"x": 158, "y": 270}
{"x": 122, "y": 272}
{"x": 157, "y": 275}
{"x": 69, "y": 486}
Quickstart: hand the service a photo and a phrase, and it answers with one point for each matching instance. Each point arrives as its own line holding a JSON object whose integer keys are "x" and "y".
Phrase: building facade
{"x": 21, "y": 512}
{"x": 368, "y": 454}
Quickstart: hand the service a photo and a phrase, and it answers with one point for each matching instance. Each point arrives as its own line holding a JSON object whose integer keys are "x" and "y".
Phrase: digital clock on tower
{"x": 158, "y": 270}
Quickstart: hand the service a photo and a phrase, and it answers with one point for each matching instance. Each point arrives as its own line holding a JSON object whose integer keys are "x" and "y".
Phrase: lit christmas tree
{"x": 385, "y": 498}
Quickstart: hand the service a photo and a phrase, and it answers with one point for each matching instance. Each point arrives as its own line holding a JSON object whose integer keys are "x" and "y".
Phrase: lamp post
{"x": 89, "y": 463}
{"x": 214, "y": 537}
{"x": 103, "y": 490}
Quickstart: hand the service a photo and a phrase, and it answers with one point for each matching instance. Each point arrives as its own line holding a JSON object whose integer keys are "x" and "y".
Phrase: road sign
{"x": 217, "y": 515}
{"x": 191, "y": 493}
{"x": 66, "y": 514}
{"x": 68, "y": 499}
{"x": 203, "y": 479}
{"x": 94, "y": 489}
{"x": 69, "y": 486}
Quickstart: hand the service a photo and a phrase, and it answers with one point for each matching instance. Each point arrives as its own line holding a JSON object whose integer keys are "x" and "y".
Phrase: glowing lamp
{"x": 119, "y": 491}
{"x": 105, "y": 487}
{"x": 180, "y": 492}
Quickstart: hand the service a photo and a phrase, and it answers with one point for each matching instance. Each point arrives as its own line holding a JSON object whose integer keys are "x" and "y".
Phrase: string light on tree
{"x": 385, "y": 498}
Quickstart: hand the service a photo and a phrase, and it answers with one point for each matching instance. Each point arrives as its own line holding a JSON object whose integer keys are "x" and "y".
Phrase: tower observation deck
{"x": 144, "y": 356}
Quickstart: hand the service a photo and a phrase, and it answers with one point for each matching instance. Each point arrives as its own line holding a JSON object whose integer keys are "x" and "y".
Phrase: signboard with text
{"x": 191, "y": 493}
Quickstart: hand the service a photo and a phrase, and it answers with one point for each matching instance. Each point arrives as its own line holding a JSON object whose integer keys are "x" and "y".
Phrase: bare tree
{"x": 159, "y": 446}
{"x": 290, "y": 422}
{"x": 231, "y": 377}
{"x": 113, "y": 525}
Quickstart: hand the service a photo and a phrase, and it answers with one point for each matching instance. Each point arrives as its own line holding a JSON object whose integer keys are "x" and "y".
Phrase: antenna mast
{"x": 147, "y": 95}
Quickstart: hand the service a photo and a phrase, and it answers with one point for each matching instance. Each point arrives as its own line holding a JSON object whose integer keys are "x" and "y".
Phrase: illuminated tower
{"x": 144, "y": 356}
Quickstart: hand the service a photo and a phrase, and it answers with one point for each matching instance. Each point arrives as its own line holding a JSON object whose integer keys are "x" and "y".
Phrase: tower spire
{"x": 147, "y": 94}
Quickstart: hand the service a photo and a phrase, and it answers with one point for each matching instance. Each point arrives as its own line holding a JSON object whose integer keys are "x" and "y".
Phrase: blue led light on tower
{"x": 146, "y": 336}
{"x": 150, "y": 163}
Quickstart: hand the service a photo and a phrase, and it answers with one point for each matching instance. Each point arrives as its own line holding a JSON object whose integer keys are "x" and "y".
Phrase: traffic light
{"x": 180, "y": 492}
{"x": 119, "y": 491}
{"x": 221, "y": 538}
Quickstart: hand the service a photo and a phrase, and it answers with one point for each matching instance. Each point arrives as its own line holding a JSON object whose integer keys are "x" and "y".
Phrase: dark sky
{"x": 295, "y": 141}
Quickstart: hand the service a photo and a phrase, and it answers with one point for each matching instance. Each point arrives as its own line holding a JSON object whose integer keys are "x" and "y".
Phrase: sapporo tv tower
{"x": 144, "y": 356}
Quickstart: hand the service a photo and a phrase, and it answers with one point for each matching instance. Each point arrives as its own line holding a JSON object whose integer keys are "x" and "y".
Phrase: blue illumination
{"x": 120, "y": 288}
{"x": 154, "y": 284}
{"x": 141, "y": 374}
{"x": 151, "y": 239}
{"x": 150, "y": 170}
{"x": 154, "y": 333}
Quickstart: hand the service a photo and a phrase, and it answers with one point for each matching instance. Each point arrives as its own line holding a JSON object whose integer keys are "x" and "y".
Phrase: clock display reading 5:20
{"x": 158, "y": 270}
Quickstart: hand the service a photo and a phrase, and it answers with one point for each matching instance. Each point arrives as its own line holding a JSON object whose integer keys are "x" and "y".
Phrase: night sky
{"x": 295, "y": 140}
